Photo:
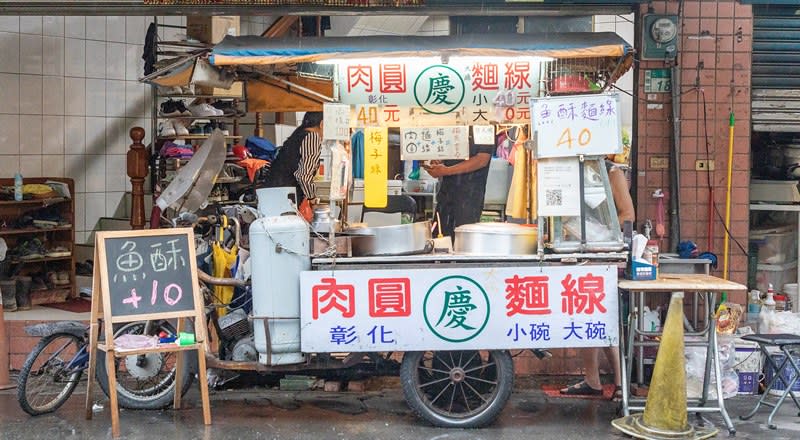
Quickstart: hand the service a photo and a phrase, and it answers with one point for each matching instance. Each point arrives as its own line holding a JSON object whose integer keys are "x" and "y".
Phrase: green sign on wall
{"x": 657, "y": 81}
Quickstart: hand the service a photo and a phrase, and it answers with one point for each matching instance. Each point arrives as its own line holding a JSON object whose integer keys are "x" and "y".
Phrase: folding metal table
{"x": 702, "y": 285}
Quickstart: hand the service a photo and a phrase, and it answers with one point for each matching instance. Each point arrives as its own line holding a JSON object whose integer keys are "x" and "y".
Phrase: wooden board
{"x": 682, "y": 283}
{"x": 163, "y": 263}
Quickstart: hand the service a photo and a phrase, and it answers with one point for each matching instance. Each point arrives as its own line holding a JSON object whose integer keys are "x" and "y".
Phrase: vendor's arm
{"x": 622, "y": 197}
{"x": 476, "y": 162}
{"x": 309, "y": 163}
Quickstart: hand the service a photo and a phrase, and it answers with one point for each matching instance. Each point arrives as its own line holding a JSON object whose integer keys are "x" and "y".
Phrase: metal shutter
{"x": 776, "y": 69}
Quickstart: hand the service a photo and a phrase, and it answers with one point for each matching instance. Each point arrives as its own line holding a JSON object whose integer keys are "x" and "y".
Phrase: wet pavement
{"x": 260, "y": 413}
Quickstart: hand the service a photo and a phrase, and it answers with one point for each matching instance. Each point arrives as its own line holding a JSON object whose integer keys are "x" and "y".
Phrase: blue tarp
{"x": 255, "y": 50}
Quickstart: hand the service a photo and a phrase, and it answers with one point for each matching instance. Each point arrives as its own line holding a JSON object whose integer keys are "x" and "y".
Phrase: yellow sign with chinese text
{"x": 376, "y": 163}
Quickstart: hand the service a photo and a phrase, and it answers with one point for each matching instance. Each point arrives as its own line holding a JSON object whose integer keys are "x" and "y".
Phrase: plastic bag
{"x": 696, "y": 367}
{"x": 784, "y": 322}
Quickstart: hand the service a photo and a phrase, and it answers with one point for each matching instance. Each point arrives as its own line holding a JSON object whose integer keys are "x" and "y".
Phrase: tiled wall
{"x": 715, "y": 58}
{"x": 68, "y": 96}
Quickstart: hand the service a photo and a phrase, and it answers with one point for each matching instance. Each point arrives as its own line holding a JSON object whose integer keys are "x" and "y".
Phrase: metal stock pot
{"x": 407, "y": 239}
{"x": 495, "y": 239}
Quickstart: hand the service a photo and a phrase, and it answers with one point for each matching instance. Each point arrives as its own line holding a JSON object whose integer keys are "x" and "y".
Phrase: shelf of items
{"x": 231, "y": 102}
{"x": 196, "y": 137}
{"x": 63, "y": 236}
{"x": 13, "y": 231}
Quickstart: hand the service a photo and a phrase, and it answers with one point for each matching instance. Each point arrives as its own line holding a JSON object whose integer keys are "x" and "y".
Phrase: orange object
{"x": 305, "y": 210}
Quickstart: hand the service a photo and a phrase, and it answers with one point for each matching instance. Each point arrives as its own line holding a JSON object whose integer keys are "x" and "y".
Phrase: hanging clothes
{"x": 223, "y": 261}
{"x": 357, "y": 151}
{"x": 517, "y": 202}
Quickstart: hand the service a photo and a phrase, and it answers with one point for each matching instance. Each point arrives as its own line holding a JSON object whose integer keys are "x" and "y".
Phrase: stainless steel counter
{"x": 429, "y": 260}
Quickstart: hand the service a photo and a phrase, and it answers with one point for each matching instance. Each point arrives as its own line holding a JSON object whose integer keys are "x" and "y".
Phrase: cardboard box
{"x": 212, "y": 29}
{"x": 236, "y": 90}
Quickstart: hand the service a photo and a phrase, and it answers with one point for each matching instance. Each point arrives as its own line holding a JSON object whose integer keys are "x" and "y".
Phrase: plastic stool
{"x": 786, "y": 343}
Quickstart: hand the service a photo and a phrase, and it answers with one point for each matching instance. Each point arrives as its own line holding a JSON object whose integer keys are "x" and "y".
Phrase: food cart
{"x": 454, "y": 316}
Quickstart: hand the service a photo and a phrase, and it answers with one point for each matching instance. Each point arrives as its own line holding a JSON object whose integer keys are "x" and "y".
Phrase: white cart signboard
{"x": 459, "y": 308}
{"x": 576, "y": 125}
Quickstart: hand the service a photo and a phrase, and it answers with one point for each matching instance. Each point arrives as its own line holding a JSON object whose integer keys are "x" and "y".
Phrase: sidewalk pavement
{"x": 261, "y": 413}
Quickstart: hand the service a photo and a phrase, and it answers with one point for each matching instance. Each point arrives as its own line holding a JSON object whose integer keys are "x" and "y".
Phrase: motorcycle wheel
{"x": 457, "y": 389}
{"x": 147, "y": 381}
{"x": 44, "y": 383}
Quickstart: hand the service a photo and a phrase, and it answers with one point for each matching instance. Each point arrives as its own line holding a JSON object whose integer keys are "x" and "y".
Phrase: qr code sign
{"x": 553, "y": 197}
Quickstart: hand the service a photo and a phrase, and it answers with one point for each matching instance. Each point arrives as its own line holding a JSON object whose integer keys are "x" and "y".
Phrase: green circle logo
{"x": 439, "y": 89}
{"x": 456, "y": 308}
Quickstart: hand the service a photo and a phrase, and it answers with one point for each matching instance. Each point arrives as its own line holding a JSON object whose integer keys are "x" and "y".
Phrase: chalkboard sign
{"x": 139, "y": 276}
{"x": 148, "y": 272}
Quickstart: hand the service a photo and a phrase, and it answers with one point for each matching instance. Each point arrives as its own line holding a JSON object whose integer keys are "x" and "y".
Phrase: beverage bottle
{"x": 18, "y": 187}
{"x": 753, "y": 305}
{"x": 767, "y": 312}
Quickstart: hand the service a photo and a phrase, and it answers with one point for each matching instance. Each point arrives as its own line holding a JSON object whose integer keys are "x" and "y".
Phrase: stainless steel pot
{"x": 321, "y": 222}
{"x": 495, "y": 239}
{"x": 407, "y": 239}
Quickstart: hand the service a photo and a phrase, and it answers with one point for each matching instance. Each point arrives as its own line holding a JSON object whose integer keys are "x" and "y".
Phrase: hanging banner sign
{"x": 376, "y": 164}
{"x": 558, "y": 187}
{"x": 577, "y": 125}
{"x": 494, "y": 308}
{"x": 476, "y": 90}
{"x": 429, "y": 143}
{"x": 336, "y": 126}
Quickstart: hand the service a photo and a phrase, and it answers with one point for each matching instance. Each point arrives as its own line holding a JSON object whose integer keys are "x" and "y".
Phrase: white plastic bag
{"x": 696, "y": 364}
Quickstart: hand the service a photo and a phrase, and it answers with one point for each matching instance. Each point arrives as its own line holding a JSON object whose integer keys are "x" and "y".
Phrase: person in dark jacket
{"x": 462, "y": 187}
{"x": 298, "y": 159}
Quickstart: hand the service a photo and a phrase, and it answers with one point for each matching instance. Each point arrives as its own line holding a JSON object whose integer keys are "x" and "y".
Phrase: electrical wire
{"x": 708, "y": 176}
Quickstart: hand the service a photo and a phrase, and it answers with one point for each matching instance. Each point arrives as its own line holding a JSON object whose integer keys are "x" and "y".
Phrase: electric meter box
{"x": 660, "y": 37}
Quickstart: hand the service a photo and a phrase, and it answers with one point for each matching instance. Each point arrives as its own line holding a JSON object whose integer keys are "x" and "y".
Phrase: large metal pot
{"x": 495, "y": 239}
{"x": 407, "y": 239}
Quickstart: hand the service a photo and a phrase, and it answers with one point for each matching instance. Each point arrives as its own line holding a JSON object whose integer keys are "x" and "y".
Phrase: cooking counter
{"x": 441, "y": 259}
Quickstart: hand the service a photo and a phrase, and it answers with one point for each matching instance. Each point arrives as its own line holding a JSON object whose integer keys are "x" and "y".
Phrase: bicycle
{"x": 56, "y": 364}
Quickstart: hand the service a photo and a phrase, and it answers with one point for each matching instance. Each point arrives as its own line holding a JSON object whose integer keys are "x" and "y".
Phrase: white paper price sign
{"x": 577, "y": 125}
{"x": 337, "y": 122}
{"x": 558, "y": 187}
{"x": 459, "y": 308}
{"x": 429, "y": 143}
{"x": 483, "y": 134}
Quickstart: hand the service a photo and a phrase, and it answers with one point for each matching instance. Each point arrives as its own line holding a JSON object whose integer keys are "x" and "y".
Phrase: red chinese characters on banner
{"x": 518, "y": 75}
{"x": 485, "y": 76}
{"x": 389, "y": 297}
{"x": 527, "y": 295}
{"x": 359, "y": 74}
{"x": 329, "y": 295}
{"x": 584, "y": 298}
{"x": 392, "y": 78}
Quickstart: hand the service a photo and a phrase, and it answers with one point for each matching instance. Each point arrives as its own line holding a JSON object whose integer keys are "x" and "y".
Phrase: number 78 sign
{"x": 576, "y": 125}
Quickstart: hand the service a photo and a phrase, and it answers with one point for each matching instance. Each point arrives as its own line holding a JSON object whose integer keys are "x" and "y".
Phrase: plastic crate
{"x": 775, "y": 274}
{"x": 748, "y": 383}
{"x": 775, "y": 245}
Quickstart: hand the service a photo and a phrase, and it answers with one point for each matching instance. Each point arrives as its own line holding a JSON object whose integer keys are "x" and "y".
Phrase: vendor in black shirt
{"x": 462, "y": 187}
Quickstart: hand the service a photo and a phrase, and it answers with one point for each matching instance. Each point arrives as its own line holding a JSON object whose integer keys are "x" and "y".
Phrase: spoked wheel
{"x": 146, "y": 381}
{"x": 457, "y": 389}
{"x": 47, "y": 379}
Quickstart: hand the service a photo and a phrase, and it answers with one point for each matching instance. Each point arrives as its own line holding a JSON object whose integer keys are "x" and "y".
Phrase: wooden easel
{"x": 102, "y": 309}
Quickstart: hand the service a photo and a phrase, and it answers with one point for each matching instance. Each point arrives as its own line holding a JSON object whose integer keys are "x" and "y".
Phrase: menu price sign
{"x": 376, "y": 167}
{"x": 337, "y": 122}
{"x": 434, "y": 143}
{"x": 576, "y": 125}
{"x": 145, "y": 275}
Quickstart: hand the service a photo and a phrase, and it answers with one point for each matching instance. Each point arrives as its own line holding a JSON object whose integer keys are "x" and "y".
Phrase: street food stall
{"x": 545, "y": 278}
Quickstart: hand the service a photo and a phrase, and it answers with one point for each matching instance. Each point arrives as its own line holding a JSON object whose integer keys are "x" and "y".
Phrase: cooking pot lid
{"x": 497, "y": 228}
